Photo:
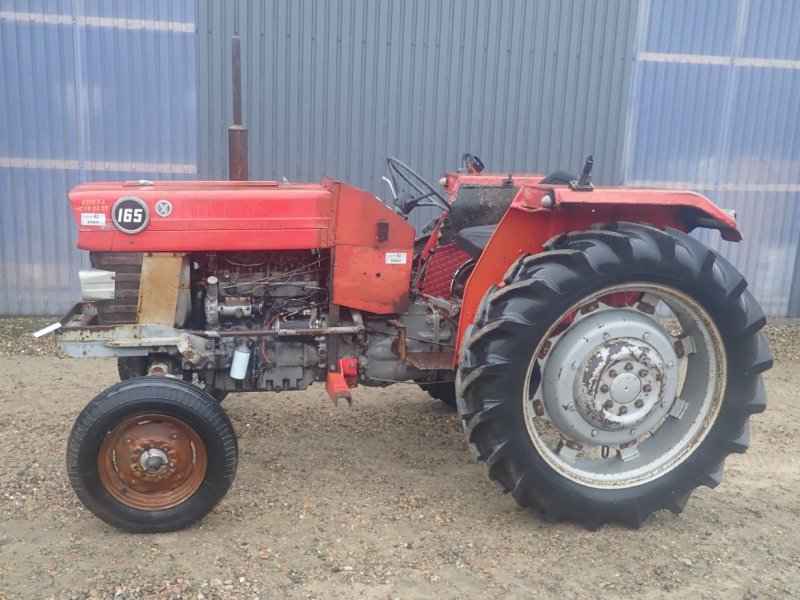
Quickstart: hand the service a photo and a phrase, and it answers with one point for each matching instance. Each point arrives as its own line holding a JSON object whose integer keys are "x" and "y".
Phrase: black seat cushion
{"x": 559, "y": 178}
{"x": 473, "y": 240}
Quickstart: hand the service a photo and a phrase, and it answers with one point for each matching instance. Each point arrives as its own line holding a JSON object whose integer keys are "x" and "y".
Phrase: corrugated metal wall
{"x": 89, "y": 90}
{"x": 127, "y": 90}
{"x": 716, "y": 108}
{"x": 332, "y": 87}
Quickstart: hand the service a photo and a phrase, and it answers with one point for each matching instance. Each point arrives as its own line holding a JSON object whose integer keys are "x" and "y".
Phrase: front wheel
{"x": 612, "y": 374}
{"x": 151, "y": 454}
{"x": 130, "y": 367}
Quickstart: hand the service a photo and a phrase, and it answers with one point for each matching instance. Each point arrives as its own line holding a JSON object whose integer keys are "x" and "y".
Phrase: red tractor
{"x": 603, "y": 362}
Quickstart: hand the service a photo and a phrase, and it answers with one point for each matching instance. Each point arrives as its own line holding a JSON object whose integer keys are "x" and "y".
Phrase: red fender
{"x": 527, "y": 225}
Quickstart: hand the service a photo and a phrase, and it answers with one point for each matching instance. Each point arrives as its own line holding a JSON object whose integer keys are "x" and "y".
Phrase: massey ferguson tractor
{"x": 603, "y": 362}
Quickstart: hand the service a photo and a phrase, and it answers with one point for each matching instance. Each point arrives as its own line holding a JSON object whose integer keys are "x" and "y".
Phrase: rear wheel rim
{"x": 616, "y": 396}
{"x": 152, "y": 462}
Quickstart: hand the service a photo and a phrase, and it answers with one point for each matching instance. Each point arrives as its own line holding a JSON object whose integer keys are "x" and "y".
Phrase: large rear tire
{"x": 585, "y": 402}
{"x": 152, "y": 454}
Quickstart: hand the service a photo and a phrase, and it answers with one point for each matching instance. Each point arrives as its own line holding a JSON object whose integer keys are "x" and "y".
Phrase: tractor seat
{"x": 473, "y": 240}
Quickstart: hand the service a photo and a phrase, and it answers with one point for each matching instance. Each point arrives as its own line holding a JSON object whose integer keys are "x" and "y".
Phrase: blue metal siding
{"x": 700, "y": 95}
{"x": 91, "y": 91}
{"x": 716, "y": 108}
{"x": 772, "y": 29}
{"x": 691, "y": 27}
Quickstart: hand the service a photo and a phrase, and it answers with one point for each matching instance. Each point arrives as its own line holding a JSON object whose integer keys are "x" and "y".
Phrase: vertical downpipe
{"x": 237, "y": 133}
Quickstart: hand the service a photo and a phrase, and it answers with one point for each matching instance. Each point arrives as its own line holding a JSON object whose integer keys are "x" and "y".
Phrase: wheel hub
{"x": 611, "y": 377}
{"x": 152, "y": 462}
{"x": 625, "y": 388}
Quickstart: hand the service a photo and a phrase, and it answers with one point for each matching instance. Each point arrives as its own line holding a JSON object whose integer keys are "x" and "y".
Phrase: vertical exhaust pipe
{"x": 237, "y": 133}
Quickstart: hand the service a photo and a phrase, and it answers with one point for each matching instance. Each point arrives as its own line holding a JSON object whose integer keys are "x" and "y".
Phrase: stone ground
{"x": 381, "y": 500}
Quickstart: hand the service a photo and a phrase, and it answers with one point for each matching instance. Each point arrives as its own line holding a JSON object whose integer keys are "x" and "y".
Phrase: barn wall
{"x": 89, "y": 91}
{"x": 716, "y": 109}
{"x": 665, "y": 93}
{"x": 332, "y": 88}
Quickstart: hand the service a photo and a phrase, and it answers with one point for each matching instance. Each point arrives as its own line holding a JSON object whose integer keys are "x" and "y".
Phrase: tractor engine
{"x": 222, "y": 293}
{"x": 247, "y": 290}
{"x": 243, "y": 291}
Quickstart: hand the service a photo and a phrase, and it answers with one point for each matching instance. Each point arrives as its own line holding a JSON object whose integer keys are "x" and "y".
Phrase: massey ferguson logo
{"x": 130, "y": 215}
{"x": 163, "y": 208}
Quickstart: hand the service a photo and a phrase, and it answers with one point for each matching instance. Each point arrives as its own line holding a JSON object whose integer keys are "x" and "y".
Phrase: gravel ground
{"x": 381, "y": 500}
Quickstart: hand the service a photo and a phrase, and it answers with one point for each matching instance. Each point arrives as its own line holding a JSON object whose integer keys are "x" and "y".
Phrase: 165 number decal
{"x": 130, "y": 214}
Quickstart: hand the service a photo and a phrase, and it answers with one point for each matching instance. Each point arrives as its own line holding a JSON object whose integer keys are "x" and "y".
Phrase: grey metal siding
{"x": 333, "y": 87}
{"x": 91, "y": 90}
{"x": 716, "y": 108}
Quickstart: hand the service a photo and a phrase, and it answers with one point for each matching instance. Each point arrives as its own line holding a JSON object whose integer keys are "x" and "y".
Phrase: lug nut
{"x": 647, "y": 388}
{"x": 639, "y": 403}
{"x": 608, "y": 404}
{"x": 628, "y": 367}
{"x": 612, "y": 373}
{"x": 538, "y": 408}
{"x": 643, "y": 373}
{"x": 623, "y": 410}
{"x": 604, "y": 388}
{"x": 595, "y": 433}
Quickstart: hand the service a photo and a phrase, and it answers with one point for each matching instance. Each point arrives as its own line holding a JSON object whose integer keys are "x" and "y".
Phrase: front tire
{"x": 584, "y": 403}
{"x": 130, "y": 367}
{"x": 152, "y": 454}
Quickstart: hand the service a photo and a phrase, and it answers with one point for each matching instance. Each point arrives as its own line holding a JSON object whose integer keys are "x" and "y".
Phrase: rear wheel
{"x": 152, "y": 454}
{"x": 613, "y": 374}
{"x": 445, "y": 392}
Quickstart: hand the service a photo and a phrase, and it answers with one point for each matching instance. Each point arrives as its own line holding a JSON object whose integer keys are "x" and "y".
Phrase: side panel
{"x": 370, "y": 273}
{"x": 526, "y": 227}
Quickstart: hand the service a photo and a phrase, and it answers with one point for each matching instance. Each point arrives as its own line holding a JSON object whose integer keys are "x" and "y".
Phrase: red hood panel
{"x": 206, "y": 215}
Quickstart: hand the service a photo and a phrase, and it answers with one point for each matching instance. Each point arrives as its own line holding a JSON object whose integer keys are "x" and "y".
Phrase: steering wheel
{"x": 401, "y": 172}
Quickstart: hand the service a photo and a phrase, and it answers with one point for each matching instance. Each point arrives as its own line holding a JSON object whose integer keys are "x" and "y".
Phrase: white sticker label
{"x": 94, "y": 219}
{"x": 396, "y": 258}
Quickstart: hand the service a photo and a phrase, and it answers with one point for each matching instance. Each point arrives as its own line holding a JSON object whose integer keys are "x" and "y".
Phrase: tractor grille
{"x": 128, "y": 269}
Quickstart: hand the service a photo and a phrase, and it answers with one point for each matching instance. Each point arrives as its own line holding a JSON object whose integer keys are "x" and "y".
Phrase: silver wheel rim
{"x": 616, "y": 396}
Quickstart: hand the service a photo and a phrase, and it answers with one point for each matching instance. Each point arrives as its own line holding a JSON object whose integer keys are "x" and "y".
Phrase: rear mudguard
{"x": 539, "y": 213}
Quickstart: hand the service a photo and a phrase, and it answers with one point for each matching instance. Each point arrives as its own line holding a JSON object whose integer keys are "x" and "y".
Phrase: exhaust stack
{"x": 237, "y": 133}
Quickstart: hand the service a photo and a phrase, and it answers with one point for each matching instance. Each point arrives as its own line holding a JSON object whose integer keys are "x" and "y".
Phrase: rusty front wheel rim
{"x": 178, "y": 468}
